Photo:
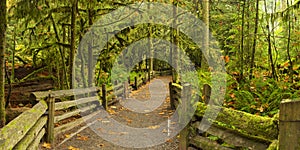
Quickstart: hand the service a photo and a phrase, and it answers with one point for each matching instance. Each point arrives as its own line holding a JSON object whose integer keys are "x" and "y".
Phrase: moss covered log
{"x": 250, "y": 124}
{"x": 206, "y": 143}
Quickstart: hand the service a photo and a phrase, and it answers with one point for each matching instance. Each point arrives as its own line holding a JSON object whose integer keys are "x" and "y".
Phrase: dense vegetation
{"x": 259, "y": 40}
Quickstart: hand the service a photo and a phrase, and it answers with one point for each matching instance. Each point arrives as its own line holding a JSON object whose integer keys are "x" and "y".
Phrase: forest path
{"x": 117, "y": 129}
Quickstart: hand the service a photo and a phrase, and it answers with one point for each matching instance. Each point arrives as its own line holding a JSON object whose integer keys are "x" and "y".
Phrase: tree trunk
{"x": 90, "y": 49}
{"x": 73, "y": 42}
{"x": 242, "y": 44}
{"x": 288, "y": 45}
{"x": 175, "y": 42}
{"x": 270, "y": 45}
{"x": 205, "y": 42}
{"x": 2, "y": 62}
{"x": 254, "y": 40}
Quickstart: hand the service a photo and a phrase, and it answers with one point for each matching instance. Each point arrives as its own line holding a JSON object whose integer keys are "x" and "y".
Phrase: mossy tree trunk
{"x": 73, "y": 41}
{"x": 2, "y": 51}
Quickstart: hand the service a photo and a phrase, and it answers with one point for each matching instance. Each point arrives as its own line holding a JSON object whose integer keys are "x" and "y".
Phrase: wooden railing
{"x": 142, "y": 79}
{"x": 52, "y": 109}
{"x": 233, "y": 127}
{"x": 25, "y": 131}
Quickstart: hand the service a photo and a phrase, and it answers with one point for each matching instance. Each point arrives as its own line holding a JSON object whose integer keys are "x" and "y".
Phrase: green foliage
{"x": 260, "y": 95}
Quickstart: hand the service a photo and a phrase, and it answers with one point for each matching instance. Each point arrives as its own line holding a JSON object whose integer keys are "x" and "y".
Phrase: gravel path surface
{"x": 142, "y": 120}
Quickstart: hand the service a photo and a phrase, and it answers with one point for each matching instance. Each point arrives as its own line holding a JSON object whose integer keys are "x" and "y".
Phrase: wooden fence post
{"x": 289, "y": 125}
{"x": 50, "y": 122}
{"x": 104, "y": 100}
{"x": 206, "y": 93}
{"x": 125, "y": 94}
{"x": 149, "y": 75}
{"x": 135, "y": 83}
{"x": 171, "y": 96}
{"x": 185, "y": 104}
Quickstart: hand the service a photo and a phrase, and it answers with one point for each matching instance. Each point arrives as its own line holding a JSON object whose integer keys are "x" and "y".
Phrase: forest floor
{"x": 88, "y": 139}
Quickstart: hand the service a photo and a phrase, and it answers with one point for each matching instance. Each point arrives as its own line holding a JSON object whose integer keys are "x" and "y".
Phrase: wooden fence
{"x": 23, "y": 134}
{"x": 142, "y": 79}
{"x": 53, "y": 111}
{"x": 236, "y": 129}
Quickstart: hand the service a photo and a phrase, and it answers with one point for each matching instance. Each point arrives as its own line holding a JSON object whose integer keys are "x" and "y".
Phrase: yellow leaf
{"x": 153, "y": 127}
{"x": 73, "y": 148}
{"x": 46, "y": 145}
{"x": 161, "y": 113}
{"x": 67, "y": 135}
{"x": 261, "y": 109}
{"x": 83, "y": 138}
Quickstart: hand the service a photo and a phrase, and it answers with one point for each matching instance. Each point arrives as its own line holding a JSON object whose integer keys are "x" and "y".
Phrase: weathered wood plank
{"x": 50, "y": 123}
{"x": 119, "y": 86}
{"x": 32, "y": 134}
{"x": 71, "y": 125}
{"x": 73, "y": 113}
{"x": 34, "y": 145}
{"x": 183, "y": 117}
{"x": 207, "y": 144}
{"x": 62, "y": 93}
{"x": 119, "y": 92}
{"x": 13, "y": 132}
{"x": 68, "y": 104}
{"x": 236, "y": 138}
{"x": 252, "y": 124}
{"x": 289, "y": 125}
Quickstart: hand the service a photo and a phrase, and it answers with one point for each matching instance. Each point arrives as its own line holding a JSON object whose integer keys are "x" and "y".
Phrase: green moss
{"x": 251, "y": 124}
{"x": 274, "y": 145}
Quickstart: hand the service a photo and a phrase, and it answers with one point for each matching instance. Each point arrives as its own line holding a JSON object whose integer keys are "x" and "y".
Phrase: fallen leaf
{"x": 164, "y": 131}
{"x": 82, "y": 138}
{"x": 73, "y": 148}
{"x": 153, "y": 127}
{"x": 113, "y": 107}
{"x": 161, "y": 113}
{"x": 123, "y": 133}
{"x": 128, "y": 120}
{"x": 105, "y": 121}
{"x": 46, "y": 145}
{"x": 67, "y": 135}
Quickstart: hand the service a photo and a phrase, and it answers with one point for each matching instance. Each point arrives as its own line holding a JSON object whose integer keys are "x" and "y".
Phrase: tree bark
{"x": 254, "y": 39}
{"x": 288, "y": 45}
{"x": 242, "y": 43}
{"x": 205, "y": 47}
{"x": 73, "y": 41}
{"x": 270, "y": 45}
{"x": 2, "y": 62}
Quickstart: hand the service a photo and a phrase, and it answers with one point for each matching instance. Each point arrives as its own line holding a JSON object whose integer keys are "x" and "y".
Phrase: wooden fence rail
{"x": 233, "y": 127}
{"x": 53, "y": 107}
{"x": 23, "y": 134}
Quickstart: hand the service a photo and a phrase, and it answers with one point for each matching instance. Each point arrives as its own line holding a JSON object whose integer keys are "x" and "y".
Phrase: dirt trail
{"x": 121, "y": 123}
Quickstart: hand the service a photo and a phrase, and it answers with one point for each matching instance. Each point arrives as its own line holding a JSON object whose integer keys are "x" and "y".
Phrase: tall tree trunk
{"x": 2, "y": 66}
{"x": 242, "y": 44}
{"x": 270, "y": 44}
{"x": 90, "y": 48}
{"x": 175, "y": 42}
{"x": 73, "y": 41}
{"x": 288, "y": 45}
{"x": 254, "y": 39}
{"x": 150, "y": 44}
{"x": 206, "y": 6}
